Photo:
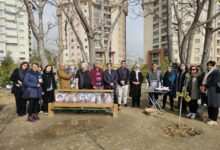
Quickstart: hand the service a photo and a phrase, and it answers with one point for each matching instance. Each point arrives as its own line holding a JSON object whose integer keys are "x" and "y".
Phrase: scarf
{"x": 21, "y": 74}
{"x": 204, "y": 82}
{"x": 137, "y": 72}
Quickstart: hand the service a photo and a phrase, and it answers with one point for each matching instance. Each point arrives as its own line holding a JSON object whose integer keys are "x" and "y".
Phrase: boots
{"x": 30, "y": 118}
{"x": 35, "y": 116}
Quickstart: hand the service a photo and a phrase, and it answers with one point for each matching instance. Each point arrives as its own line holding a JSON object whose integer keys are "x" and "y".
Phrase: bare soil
{"x": 132, "y": 130}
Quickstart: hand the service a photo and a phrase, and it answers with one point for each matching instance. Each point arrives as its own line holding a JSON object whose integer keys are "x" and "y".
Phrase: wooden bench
{"x": 82, "y": 106}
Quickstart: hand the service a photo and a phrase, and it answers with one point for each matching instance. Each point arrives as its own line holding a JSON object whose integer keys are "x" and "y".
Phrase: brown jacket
{"x": 64, "y": 79}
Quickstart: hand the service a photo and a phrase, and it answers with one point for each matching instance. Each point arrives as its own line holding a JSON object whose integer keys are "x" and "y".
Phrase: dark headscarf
{"x": 21, "y": 71}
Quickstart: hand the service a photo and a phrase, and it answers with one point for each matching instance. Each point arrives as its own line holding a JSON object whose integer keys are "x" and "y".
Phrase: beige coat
{"x": 64, "y": 79}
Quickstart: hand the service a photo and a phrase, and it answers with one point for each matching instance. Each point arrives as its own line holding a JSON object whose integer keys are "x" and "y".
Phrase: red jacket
{"x": 93, "y": 76}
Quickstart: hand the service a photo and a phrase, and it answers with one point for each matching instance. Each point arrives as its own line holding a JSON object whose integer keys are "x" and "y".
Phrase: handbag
{"x": 25, "y": 93}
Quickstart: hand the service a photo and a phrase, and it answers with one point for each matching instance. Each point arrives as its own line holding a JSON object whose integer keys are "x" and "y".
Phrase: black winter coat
{"x": 135, "y": 90}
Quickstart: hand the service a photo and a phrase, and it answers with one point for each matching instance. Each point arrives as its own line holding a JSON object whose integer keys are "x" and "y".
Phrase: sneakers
{"x": 193, "y": 116}
{"x": 212, "y": 123}
{"x": 189, "y": 115}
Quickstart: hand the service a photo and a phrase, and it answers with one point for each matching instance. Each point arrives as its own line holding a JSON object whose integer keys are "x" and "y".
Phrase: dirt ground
{"x": 132, "y": 130}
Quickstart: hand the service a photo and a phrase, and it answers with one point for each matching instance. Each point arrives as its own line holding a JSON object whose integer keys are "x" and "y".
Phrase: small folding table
{"x": 156, "y": 101}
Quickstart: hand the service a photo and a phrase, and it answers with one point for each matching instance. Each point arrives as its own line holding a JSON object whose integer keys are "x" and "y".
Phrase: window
{"x": 218, "y": 51}
{"x": 23, "y": 53}
{"x": 197, "y": 40}
{"x": 66, "y": 54}
{"x": 72, "y": 47}
{"x": 77, "y": 47}
{"x": 72, "y": 40}
{"x": 12, "y": 29}
{"x": 197, "y": 50}
{"x": 1, "y": 52}
{"x": 85, "y": 40}
{"x": 86, "y": 47}
{"x": 218, "y": 42}
{"x": 11, "y": 36}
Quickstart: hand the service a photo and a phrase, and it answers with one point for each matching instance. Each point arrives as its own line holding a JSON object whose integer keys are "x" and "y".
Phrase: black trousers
{"x": 136, "y": 101}
{"x": 204, "y": 99}
{"x": 20, "y": 103}
{"x": 184, "y": 104}
{"x": 47, "y": 98}
{"x": 193, "y": 105}
{"x": 213, "y": 113}
{"x": 165, "y": 99}
{"x": 33, "y": 106}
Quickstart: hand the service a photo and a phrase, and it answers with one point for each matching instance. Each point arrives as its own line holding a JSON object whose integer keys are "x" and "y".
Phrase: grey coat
{"x": 213, "y": 89}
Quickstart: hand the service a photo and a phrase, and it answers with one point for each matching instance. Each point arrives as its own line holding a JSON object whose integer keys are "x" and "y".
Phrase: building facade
{"x": 14, "y": 31}
{"x": 95, "y": 13}
{"x": 156, "y": 42}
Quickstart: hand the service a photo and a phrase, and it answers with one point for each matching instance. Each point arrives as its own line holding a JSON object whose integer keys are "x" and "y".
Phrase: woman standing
{"x": 169, "y": 81}
{"x": 32, "y": 82}
{"x": 211, "y": 82}
{"x": 136, "y": 79}
{"x": 180, "y": 80}
{"x": 17, "y": 77}
{"x": 49, "y": 86}
{"x": 194, "y": 93}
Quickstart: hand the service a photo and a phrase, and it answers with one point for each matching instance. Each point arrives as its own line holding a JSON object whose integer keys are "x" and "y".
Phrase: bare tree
{"x": 35, "y": 9}
{"x": 209, "y": 30}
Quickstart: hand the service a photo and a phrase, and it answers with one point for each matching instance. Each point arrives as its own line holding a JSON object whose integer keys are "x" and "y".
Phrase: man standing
{"x": 83, "y": 77}
{"x": 154, "y": 76}
{"x": 123, "y": 78}
{"x": 110, "y": 79}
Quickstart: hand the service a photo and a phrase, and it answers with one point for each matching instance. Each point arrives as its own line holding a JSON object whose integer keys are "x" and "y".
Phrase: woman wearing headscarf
{"x": 49, "y": 86}
{"x": 17, "y": 77}
{"x": 211, "y": 82}
{"x": 136, "y": 79}
{"x": 33, "y": 84}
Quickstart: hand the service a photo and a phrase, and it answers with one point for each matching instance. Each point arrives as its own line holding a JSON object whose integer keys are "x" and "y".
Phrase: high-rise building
{"x": 14, "y": 30}
{"x": 155, "y": 37}
{"x": 96, "y": 15}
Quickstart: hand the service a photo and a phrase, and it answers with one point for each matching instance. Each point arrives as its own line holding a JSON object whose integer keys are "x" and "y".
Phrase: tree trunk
{"x": 208, "y": 35}
{"x": 120, "y": 11}
{"x": 41, "y": 49}
{"x": 60, "y": 35}
{"x": 80, "y": 42}
{"x": 41, "y": 46}
{"x": 189, "y": 52}
{"x": 169, "y": 31}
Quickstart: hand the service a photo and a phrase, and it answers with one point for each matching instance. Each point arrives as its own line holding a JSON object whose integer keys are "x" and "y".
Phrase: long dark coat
{"x": 135, "y": 90}
{"x": 213, "y": 89}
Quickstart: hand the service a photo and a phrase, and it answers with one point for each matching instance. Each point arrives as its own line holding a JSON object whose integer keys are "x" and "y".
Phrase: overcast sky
{"x": 134, "y": 41}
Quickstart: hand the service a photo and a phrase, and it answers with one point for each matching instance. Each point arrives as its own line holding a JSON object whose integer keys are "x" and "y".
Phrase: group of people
{"x": 204, "y": 86}
{"x": 32, "y": 84}
{"x": 97, "y": 78}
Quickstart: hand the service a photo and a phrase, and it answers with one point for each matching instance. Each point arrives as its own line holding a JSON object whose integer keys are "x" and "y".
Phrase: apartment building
{"x": 94, "y": 12}
{"x": 14, "y": 31}
{"x": 155, "y": 37}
